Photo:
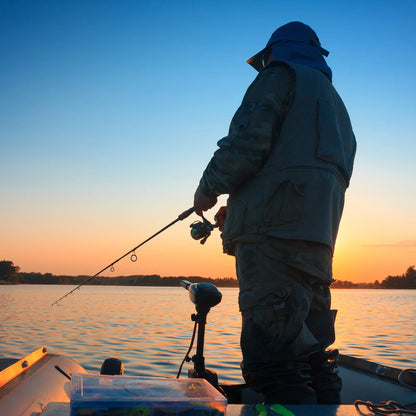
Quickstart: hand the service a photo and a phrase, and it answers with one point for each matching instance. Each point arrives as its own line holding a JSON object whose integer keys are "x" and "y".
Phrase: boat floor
{"x": 358, "y": 384}
{"x": 63, "y": 409}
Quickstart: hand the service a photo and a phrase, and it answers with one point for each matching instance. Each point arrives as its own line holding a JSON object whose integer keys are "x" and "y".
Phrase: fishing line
{"x": 133, "y": 256}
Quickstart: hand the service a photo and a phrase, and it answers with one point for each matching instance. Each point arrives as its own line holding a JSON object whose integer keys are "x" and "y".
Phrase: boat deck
{"x": 43, "y": 388}
{"x": 63, "y": 409}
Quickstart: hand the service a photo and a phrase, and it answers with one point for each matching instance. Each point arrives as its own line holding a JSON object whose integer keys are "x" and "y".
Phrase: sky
{"x": 110, "y": 111}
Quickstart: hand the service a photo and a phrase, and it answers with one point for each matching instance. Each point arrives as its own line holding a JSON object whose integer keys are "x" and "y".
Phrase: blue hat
{"x": 294, "y": 42}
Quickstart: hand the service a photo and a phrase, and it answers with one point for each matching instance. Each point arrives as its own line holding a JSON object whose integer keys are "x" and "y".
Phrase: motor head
{"x": 203, "y": 295}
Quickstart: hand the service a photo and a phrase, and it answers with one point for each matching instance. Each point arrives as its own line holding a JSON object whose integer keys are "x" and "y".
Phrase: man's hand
{"x": 220, "y": 217}
{"x": 203, "y": 202}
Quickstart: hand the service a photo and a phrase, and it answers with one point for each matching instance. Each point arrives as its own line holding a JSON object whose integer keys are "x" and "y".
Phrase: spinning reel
{"x": 201, "y": 230}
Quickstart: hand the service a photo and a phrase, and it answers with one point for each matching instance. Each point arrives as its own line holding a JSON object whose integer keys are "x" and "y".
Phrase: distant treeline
{"x": 10, "y": 274}
{"x": 139, "y": 280}
{"x": 404, "y": 281}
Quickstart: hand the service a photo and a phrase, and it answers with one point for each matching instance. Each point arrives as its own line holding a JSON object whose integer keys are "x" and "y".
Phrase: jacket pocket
{"x": 284, "y": 204}
{"x": 233, "y": 226}
{"x": 336, "y": 142}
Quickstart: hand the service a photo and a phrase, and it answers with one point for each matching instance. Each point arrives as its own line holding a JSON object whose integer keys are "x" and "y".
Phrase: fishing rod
{"x": 198, "y": 230}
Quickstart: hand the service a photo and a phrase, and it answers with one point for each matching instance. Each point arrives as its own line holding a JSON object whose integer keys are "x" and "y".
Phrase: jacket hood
{"x": 295, "y": 42}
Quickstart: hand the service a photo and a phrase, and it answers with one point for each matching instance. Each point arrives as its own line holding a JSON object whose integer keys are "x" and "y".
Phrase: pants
{"x": 287, "y": 324}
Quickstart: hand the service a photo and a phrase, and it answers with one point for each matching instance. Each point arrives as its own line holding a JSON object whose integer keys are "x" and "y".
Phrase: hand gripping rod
{"x": 181, "y": 217}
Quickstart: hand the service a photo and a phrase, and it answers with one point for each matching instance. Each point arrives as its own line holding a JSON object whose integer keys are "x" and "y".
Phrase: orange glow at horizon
{"x": 355, "y": 263}
{"x": 86, "y": 246}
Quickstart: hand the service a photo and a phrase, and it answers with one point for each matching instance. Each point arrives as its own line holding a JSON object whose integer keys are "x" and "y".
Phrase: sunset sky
{"x": 110, "y": 111}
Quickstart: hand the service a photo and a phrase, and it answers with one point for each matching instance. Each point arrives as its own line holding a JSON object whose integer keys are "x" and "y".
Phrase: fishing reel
{"x": 201, "y": 230}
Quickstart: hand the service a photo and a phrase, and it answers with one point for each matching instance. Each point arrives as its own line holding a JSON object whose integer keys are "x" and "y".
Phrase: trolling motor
{"x": 204, "y": 296}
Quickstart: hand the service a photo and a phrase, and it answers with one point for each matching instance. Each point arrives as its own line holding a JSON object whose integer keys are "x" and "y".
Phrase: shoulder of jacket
{"x": 277, "y": 72}
{"x": 277, "y": 77}
{"x": 278, "y": 67}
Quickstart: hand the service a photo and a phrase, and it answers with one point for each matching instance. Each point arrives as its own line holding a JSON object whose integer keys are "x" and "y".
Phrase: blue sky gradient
{"x": 110, "y": 111}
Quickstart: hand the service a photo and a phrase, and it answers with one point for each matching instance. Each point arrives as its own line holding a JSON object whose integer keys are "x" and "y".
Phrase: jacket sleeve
{"x": 253, "y": 128}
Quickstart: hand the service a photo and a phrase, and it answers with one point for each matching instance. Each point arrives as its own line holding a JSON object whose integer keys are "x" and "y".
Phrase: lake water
{"x": 150, "y": 328}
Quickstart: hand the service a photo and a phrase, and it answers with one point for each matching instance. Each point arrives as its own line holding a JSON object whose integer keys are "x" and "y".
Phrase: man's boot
{"x": 324, "y": 364}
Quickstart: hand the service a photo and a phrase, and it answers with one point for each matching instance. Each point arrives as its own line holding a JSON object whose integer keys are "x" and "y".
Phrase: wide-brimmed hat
{"x": 293, "y": 33}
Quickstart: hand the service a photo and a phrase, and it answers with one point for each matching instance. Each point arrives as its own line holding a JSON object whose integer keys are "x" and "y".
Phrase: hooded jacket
{"x": 287, "y": 159}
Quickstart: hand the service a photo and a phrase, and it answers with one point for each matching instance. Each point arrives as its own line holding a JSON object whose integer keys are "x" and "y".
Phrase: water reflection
{"x": 150, "y": 328}
{"x": 377, "y": 324}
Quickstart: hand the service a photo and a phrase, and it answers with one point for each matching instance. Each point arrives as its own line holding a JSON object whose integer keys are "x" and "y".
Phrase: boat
{"x": 40, "y": 383}
{"x": 28, "y": 384}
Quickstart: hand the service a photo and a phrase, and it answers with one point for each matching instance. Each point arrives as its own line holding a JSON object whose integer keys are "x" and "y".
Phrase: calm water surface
{"x": 150, "y": 328}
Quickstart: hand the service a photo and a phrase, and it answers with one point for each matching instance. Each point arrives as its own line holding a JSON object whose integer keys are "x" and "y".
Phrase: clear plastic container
{"x": 101, "y": 395}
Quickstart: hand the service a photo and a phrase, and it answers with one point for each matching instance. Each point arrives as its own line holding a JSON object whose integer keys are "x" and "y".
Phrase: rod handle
{"x": 186, "y": 214}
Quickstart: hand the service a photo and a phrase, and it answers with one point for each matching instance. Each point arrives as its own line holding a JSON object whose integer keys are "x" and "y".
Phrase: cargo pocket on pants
{"x": 263, "y": 332}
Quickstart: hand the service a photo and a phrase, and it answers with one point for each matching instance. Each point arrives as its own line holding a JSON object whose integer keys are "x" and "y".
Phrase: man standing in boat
{"x": 286, "y": 163}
